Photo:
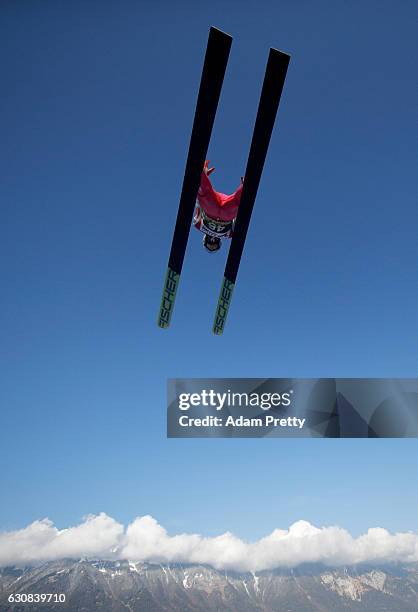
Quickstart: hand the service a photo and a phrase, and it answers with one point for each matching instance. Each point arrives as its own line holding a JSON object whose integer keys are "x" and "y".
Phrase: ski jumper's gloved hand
{"x": 208, "y": 171}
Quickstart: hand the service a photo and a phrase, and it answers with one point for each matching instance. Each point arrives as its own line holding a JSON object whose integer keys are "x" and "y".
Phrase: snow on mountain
{"x": 127, "y": 585}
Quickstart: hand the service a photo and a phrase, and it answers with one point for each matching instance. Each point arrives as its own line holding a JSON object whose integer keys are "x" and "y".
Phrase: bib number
{"x": 216, "y": 228}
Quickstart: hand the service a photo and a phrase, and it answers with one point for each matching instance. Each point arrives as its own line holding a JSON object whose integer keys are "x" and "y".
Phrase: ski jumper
{"x": 216, "y": 212}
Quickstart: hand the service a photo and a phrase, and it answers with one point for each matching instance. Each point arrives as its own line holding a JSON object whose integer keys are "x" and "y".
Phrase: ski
{"x": 214, "y": 67}
{"x": 274, "y": 78}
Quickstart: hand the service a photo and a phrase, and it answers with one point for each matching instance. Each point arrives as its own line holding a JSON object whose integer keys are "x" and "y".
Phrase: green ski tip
{"x": 169, "y": 295}
{"x": 223, "y": 306}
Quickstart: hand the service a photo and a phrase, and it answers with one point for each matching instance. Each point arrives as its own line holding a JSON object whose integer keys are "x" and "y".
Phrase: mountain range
{"x": 133, "y": 587}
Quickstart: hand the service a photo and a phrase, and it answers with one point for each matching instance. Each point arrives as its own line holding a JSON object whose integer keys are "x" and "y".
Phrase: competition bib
{"x": 215, "y": 228}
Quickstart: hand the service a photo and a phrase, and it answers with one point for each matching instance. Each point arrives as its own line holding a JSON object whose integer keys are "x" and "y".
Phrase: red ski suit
{"x": 215, "y": 207}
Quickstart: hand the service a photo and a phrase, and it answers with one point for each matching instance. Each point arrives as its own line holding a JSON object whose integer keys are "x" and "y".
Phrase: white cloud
{"x": 145, "y": 540}
{"x": 41, "y": 541}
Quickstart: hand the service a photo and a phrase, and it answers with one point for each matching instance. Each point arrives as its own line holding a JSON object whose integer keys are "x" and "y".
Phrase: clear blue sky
{"x": 95, "y": 117}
